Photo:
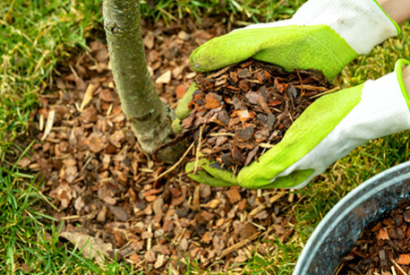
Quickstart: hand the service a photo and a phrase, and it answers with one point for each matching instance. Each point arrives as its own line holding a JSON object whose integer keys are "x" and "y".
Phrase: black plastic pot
{"x": 337, "y": 233}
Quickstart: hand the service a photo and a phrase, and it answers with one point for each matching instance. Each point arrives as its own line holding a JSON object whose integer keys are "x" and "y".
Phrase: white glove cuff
{"x": 362, "y": 23}
{"x": 381, "y": 111}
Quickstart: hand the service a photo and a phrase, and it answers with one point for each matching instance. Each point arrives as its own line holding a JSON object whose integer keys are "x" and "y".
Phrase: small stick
{"x": 109, "y": 110}
{"x": 149, "y": 241}
{"x": 87, "y": 162}
{"x": 106, "y": 179}
{"x": 301, "y": 83}
{"x": 277, "y": 197}
{"x": 146, "y": 170}
{"x": 310, "y": 87}
{"x": 234, "y": 171}
{"x": 41, "y": 123}
{"x": 290, "y": 117}
{"x": 238, "y": 245}
{"x": 88, "y": 96}
{"x": 267, "y": 231}
{"x": 266, "y": 145}
{"x": 49, "y": 124}
{"x": 74, "y": 72}
{"x": 198, "y": 148}
{"x": 168, "y": 14}
{"x": 176, "y": 164}
{"x": 259, "y": 226}
{"x": 195, "y": 200}
{"x": 71, "y": 217}
{"x": 340, "y": 268}
{"x": 327, "y": 92}
{"x": 178, "y": 237}
{"x": 255, "y": 81}
{"x": 393, "y": 270}
{"x": 52, "y": 205}
{"x": 398, "y": 267}
{"x": 291, "y": 195}
{"x": 257, "y": 210}
{"x": 221, "y": 134}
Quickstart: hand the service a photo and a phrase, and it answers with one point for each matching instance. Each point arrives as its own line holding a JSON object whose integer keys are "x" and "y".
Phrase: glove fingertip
{"x": 196, "y": 60}
{"x": 182, "y": 111}
{"x": 176, "y": 126}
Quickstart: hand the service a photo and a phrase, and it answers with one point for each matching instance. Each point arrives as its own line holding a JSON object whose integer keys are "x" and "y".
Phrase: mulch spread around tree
{"x": 241, "y": 111}
{"x": 103, "y": 187}
{"x": 383, "y": 247}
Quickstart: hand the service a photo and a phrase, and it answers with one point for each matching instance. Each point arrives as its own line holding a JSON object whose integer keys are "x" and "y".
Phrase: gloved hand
{"x": 322, "y": 34}
{"x": 326, "y": 131}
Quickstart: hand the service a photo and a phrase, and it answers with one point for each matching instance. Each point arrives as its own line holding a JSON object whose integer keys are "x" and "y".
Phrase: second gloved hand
{"x": 328, "y": 130}
{"x": 322, "y": 34}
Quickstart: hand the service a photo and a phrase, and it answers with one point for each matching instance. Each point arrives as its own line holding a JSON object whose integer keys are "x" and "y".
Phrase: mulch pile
{"x": 383, "y": 247}
{"x": 241, "y": 111}
{"x": 103, "y": 186}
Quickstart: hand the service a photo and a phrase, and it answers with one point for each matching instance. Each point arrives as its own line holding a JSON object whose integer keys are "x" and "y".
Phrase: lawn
{"x": 38, "y": 37}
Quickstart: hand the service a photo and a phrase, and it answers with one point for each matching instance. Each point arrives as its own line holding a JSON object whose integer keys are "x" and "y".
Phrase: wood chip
{"x": 24, "y": 162}
{"x": 165, "y": 78}
{"x": 49, "y": 125}
{"x": 88, "y": 96}
{"x": 148, "y": 40}
{"x": 233, "y": 195}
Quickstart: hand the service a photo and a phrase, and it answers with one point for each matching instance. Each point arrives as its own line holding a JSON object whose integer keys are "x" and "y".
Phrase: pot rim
{"x": 347, "y": 203}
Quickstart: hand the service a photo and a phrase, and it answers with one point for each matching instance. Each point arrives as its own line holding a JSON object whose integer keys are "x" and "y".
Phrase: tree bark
{"x": 150, "y": 119}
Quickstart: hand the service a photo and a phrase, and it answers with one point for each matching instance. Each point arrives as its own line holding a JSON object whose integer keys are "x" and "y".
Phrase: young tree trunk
{"x": 150, "y": 119}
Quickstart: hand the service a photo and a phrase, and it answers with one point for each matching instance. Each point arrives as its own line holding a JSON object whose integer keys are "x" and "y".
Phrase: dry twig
{"x": 177, "y": 163}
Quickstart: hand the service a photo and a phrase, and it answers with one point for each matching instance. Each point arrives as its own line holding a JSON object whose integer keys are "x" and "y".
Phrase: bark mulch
{"x": 241, "y": 111}
{"x": 103, "y": 186}
{"x": 383, "y": 247}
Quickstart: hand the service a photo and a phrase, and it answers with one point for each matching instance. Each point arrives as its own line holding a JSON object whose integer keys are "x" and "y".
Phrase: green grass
{"x": 30, "y": 243}
{"x": 38, "y": 36}
{"x": 251, "y": 11}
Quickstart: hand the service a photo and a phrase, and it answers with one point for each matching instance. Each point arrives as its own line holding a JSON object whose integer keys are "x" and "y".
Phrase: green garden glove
{"x": 322, "y": 34}
{"x": 327, "y": 130}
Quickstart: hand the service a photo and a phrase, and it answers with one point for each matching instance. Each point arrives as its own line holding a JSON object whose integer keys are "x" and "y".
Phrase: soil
{"x": 103, "y": 186}
{"x": 383, "y": 247}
